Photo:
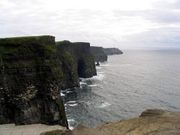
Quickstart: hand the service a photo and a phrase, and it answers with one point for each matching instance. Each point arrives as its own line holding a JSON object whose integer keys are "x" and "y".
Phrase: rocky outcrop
{"x": 99, "y": 54}
{"x": 82, "y": 61}
{"x": 112, "y": 51}
{"x": 150, "y": 122}
{"x": 31, "y": 76}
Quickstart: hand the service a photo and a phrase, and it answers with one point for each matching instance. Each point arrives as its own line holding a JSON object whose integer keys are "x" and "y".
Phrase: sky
{"x": 126, "y": 24}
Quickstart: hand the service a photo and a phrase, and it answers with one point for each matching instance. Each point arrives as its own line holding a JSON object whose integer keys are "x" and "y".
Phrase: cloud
{"x": 154, "y": 38}
{"x": 103, "y": 22}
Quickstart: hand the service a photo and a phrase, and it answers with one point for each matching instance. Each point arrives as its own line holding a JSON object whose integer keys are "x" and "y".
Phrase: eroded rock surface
{"x": 79, "y": 52}
{"x": 99, "y": 54}
{"x": 33, "y": 70}
{"x": 30, "y": 79}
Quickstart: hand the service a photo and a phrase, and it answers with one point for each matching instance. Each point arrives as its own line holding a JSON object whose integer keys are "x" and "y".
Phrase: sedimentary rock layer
{"x": 30, "y": 79}
{"x": 99, "y": 54}
{"x": 78, "y": 52}
{"x": 32, "y": 72}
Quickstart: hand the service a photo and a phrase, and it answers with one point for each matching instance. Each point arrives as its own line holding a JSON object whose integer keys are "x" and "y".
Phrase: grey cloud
{"x": 30, "y": 18}
{"x": 160, "y": 37}
{"x": 155, "y": 15}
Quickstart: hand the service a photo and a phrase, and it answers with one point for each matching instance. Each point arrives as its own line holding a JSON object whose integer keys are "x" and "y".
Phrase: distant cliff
{"x": 99, "y": 54}
{"x": 112, "y": 51}
{"x": 79, "y": 53}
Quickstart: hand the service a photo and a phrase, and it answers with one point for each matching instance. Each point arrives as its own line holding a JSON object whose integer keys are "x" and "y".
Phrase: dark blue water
{"x": 125, "y": 86}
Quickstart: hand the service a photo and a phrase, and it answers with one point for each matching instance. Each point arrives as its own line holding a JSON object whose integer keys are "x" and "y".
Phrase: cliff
{"x": 83, "y": 61}
{"x": 112, "y": 51}
{"x": 99, "y": 54}
{"x": 30, "y": 79}
{"x": 150, "y": 122}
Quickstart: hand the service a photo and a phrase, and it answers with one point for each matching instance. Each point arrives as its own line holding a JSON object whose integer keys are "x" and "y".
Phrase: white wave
{"x": 72, "y": 105}
{"x": 70, "y": 120}
{"x": 71, "y": 102}
{"x": 71, "y": 127}
{"x": 105, "y": 64}
{"x": 99, "y": 77}
{"x": 83, "y": 83}
{"x": 98, "y": 67}
{"x": 93, "y": 85}
{"x": 103, "y": 105}
{"x": 69, "y": 91}
{"x": 62, "y": 94}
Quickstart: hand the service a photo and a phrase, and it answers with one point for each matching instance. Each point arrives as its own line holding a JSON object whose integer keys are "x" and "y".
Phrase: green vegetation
{"x": 27, "y": 40}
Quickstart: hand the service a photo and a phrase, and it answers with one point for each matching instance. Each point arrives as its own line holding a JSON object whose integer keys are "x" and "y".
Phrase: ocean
{"x": 125, "y": 86}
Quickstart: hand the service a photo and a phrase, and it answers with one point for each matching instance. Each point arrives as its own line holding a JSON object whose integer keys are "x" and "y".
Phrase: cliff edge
{"x": 150, "y": 122}
{"x": 30, "y": 80}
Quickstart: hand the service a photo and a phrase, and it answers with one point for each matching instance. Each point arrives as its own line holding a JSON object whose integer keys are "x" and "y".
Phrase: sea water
{"x": 125, "y": 86}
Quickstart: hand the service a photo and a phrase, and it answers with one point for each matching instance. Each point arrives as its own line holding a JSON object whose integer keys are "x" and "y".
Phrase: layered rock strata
{"x": 30, "y": 79}
{"x": 33, "y": 70}
{"x": 80, "y": 53}
{"x": 99, "y": 54}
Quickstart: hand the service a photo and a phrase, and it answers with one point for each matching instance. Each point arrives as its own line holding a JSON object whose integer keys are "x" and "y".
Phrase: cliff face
{"x": 112, "y": 51}
{"x": 99, "y": 54}
{"x": 30, "y": 78}
{"x": 83, "y": 61}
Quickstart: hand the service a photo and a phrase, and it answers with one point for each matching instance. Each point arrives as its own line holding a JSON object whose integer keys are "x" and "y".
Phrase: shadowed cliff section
{"x": 31, "y": 75}
{"x": 80, "y": 54}
{"x": 99, "y": 54}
